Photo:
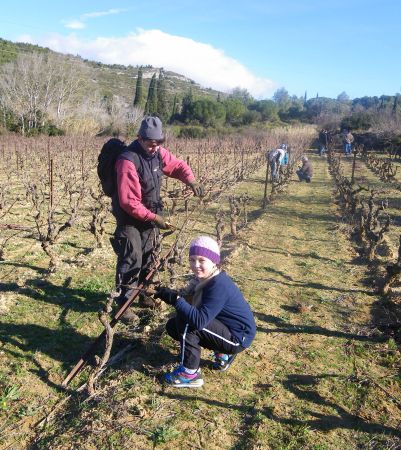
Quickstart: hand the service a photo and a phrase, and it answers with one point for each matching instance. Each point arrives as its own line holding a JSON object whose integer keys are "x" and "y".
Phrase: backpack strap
{"x": 131, "y": 154}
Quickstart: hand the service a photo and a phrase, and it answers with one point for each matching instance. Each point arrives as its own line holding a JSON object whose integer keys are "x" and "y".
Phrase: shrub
{"x": 52, "y": 130}
{"x": 193, "y": 132}
{"x": 357, "y": 121}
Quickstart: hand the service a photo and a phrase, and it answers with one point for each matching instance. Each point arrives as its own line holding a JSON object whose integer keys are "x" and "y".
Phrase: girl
{"x": 217, "y": 317}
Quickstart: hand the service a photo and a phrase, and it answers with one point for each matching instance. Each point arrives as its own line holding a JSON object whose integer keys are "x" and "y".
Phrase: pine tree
{"x": 151, "y": 102}
{"x": 138, "y": 100}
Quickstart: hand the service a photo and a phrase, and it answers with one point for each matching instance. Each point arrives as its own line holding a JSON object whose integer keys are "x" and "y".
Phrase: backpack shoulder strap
{"x": 132, "y": 155}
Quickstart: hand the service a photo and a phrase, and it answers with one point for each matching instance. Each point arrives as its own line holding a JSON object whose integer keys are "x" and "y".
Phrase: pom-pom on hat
{"x": 151, "y": 128}
{"x": 205, "y": 246}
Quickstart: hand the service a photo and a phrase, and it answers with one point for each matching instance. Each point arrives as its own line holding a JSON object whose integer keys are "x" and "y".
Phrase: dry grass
{"x": 318, "y": 376}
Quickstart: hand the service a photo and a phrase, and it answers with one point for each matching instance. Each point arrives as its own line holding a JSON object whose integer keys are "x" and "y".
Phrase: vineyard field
{"x": 324, "y": 369}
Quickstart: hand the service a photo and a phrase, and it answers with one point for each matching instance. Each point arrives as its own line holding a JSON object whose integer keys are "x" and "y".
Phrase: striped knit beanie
{"x": 205, "y": 246}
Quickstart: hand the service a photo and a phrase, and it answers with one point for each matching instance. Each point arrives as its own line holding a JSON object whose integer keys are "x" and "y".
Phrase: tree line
{"x": 44, "y": 92}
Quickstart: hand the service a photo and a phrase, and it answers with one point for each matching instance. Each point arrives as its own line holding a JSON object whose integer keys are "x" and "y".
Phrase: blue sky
{"x": 321, "y": 47}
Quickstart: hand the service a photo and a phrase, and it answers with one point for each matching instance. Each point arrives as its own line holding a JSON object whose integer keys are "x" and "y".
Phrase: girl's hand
{"x": 167, "y": 295}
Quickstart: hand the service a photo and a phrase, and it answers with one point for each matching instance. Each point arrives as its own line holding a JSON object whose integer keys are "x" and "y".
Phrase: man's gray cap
{"x": 151, "y": 128}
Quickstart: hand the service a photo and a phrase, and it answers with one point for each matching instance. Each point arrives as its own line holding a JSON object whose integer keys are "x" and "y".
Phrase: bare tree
{"x": 38, "y": 87}
{"x": 134, "y": 116}
{"x": 386, "y": 125}
{"x": 123, "y": 116}
{"x": 89, "y": 116}
{"x": 67, "y": 81}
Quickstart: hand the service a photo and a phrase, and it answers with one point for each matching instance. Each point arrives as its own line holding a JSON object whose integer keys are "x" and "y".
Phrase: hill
{"x": 112, "y": 79}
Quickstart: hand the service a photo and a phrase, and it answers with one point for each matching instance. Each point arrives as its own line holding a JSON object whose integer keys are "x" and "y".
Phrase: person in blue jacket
{"x": 211, "y": 312}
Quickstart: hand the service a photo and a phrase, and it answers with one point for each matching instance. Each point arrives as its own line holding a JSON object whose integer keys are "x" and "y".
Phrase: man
{"x": 137, "y": 205}
{"x": 275, "y": 158}
{"x": 323, "y": 141}
{"x": 305, "y": 172}
{"x": 348, "y": 139}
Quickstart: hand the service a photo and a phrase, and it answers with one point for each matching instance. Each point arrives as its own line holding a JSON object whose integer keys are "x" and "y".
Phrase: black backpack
{"x": 106, "y": 162}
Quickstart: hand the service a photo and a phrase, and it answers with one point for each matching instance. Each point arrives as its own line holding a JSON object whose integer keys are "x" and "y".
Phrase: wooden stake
{"x": 266, "y": 183}
{"x": 51, "y": 183}
{"x": 353, "y": 168}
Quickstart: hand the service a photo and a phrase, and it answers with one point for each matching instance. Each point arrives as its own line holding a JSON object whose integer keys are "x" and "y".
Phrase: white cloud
{"x": 203, "y": 63}
{"x": 75, "y": 25}
{"x": 102, "y": 13}
{"x": 80, "y": 23}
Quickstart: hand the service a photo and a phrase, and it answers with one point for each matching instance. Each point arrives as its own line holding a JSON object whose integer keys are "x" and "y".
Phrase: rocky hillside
{"x": 111, "y": 79}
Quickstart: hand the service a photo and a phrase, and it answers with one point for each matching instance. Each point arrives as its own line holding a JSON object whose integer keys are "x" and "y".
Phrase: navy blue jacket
{"x": 221, "y": 300}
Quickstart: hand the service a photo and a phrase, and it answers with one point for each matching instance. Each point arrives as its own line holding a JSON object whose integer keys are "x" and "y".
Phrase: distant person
{"x": 276, "y": 158}
{"x": 286, "y": 157}
{"x": 306, "y": 171}
{"x": 348, "y": 139}
{"x": 323, "y": 141}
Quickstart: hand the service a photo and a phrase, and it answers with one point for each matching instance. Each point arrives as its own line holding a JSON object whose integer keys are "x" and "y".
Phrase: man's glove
{"x": 160, "y": 223}
{"x": 167, "y": 295}
{"x": 197, "y": 188}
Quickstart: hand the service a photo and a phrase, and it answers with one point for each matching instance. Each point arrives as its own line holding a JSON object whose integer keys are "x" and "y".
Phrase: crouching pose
{"x": 211, "y": 313}
{"x": 306, "y": 171}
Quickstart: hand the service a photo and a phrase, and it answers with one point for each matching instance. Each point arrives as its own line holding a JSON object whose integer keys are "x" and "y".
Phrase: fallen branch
{"x": 13, "y": 226}
{"x": 113, "y": 360}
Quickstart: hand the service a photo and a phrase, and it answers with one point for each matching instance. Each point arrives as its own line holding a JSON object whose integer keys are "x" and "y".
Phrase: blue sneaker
{"x": 222, "y": 361}
{"x": 180, "y": 379}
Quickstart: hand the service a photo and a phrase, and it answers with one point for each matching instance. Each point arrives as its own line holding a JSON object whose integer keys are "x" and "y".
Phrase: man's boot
{"x": 129, "y": 317}
{"x": 147, "y": 302}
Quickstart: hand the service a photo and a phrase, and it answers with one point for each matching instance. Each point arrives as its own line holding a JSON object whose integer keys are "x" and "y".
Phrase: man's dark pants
{"x": 134, "y": 249}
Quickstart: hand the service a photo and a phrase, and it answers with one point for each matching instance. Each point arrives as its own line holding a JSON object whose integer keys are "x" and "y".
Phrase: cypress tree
{"x": 175, "y": 109}
{"x": 163, "y": 106}
{"x": 151, "y": 102}
{"x": 138, "y": 99}
{"x": 187, "y": 102}
{"x": 395, "y": 104}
